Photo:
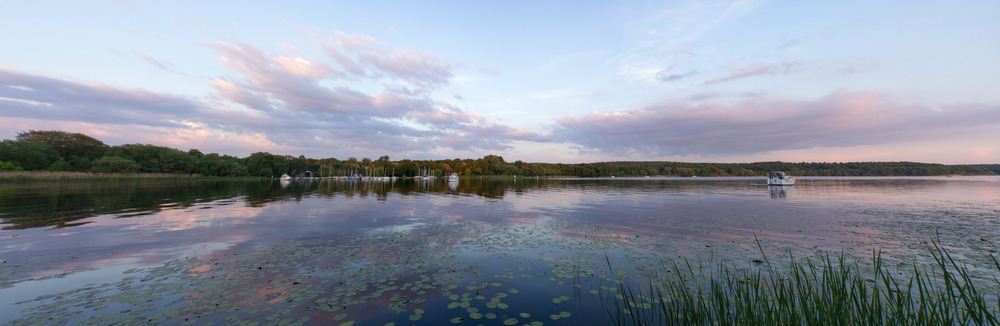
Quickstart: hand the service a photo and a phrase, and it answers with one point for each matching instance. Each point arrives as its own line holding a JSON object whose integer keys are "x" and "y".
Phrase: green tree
{"x": 263, "y": 164}
{"x": 156, "y": 159}
{"x": 75, "y": 148}
{"x": 60, "y": 165}
{"x": 229, "y": 168}
{"x": 31, "y": 156}
{"x": 8, "y": 166}
{"x": 114, "y": 164}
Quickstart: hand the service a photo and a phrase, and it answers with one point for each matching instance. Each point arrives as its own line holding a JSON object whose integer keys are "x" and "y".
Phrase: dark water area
{"x": 479, "y": 251}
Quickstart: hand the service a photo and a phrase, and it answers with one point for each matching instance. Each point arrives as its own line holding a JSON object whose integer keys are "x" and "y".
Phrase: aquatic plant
{"x": 830, "y": 290}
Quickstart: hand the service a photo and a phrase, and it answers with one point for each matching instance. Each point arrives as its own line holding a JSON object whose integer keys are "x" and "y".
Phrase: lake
{"x": 480, "y": 251}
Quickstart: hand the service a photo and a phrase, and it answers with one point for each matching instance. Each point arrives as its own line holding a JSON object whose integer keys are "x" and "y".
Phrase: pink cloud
{"x": 152, "y": 61}
{"x": 365, "y": 56}
{"x": 286, "y": 102}
{"x": 289, "y": 90}
{"x": 488, "y": 71}
{"x": 760, "y": 125}
{"x": 446, "y": 115}
{"x": 754, "y": 69}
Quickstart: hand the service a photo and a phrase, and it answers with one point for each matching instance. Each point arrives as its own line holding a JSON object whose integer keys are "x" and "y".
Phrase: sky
{"x": 537, "y": 81}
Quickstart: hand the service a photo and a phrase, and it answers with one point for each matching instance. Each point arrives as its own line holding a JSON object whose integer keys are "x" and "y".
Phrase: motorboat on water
{"x": 453, "y": 177}
{"x": 285, "y": 177}
{"x": 779, "y": 178}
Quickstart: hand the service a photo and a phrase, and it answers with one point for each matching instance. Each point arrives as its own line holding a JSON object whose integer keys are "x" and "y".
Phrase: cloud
{"x": 150, "y": 60}
{"x": 703, "y": 96}
{"x": 365, "y": 56}
{"x": 754, "y": 69}
{"x": 361, "y": 97}
{"x": 762, "y": 125}
{"x": 367, "y": 95}
{"x": 488, "y": 71}
{"x": 674, "y": 32}
{"x": 24, "y": 95}
{"x": 669, "y": 76}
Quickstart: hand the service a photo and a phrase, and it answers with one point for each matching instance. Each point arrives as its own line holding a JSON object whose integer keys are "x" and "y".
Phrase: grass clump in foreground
{"x": 829, "y": 291}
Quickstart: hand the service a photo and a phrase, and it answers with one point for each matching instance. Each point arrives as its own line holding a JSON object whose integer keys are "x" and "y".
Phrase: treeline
{"x": 53, "y": 150}
{"x": 995, "y": 168}
{"x": 62, "y": 151}
{"x": 682, "y": 169}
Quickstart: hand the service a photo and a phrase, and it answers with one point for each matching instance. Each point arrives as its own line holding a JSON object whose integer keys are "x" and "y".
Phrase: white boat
{"x": 285, "y": 177}
{"x": 453, "y": 177}
{"x": 779, "y": 178}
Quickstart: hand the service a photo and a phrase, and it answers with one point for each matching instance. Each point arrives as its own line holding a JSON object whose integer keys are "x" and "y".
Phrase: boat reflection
{"x": 780, "y": 192}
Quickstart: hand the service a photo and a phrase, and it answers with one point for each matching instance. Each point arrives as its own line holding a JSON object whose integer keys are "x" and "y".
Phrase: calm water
{"x": 476, "y": 252}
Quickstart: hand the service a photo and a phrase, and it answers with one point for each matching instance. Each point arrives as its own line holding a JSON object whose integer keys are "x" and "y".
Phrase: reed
{"x": 827, "y": 291}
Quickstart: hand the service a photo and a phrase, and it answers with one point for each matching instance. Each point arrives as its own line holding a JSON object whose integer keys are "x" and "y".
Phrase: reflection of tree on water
{"x": 781, "y": 191}
{"x": 65, "y": 204}
{"x": 62, "y": 204}
{"x": 483, "y": 187}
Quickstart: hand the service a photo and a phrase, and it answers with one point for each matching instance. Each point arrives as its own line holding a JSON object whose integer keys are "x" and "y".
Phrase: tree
{"x": 114, "y": 164}
{"x": 60, "y": 165}
{"x": 76, "y": 148}
{"x": 263, "y": 164}
{"x": 352, "y": 162}
{"x": 31, "y": 156}
{"x": 223, "y": 166}
{"x": 156, "y": 159}
{"x": 8, "y": 166}
{"x": 229, "y": 168}
{"x": 325, "y": 170}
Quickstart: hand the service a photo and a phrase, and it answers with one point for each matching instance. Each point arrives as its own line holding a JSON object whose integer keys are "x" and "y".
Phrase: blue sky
{"x": 706, "y": 81}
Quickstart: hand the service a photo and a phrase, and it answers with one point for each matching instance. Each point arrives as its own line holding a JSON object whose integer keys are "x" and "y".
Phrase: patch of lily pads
{"x": 378, "y": 278}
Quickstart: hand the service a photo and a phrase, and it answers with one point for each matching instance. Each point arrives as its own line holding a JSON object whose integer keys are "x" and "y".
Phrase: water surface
{"x": 480, "y": 251}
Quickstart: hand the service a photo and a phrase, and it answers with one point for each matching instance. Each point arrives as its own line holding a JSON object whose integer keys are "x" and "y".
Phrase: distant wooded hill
{"x": 62, "y": 151}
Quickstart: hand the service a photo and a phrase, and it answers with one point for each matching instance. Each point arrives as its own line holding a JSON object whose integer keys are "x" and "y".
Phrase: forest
{"x": 53, "y": 150}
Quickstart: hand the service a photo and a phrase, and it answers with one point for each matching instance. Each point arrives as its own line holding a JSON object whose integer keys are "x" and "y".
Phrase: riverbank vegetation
{"x": 60, "y": 151}
{"x": 826, "y": 291}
